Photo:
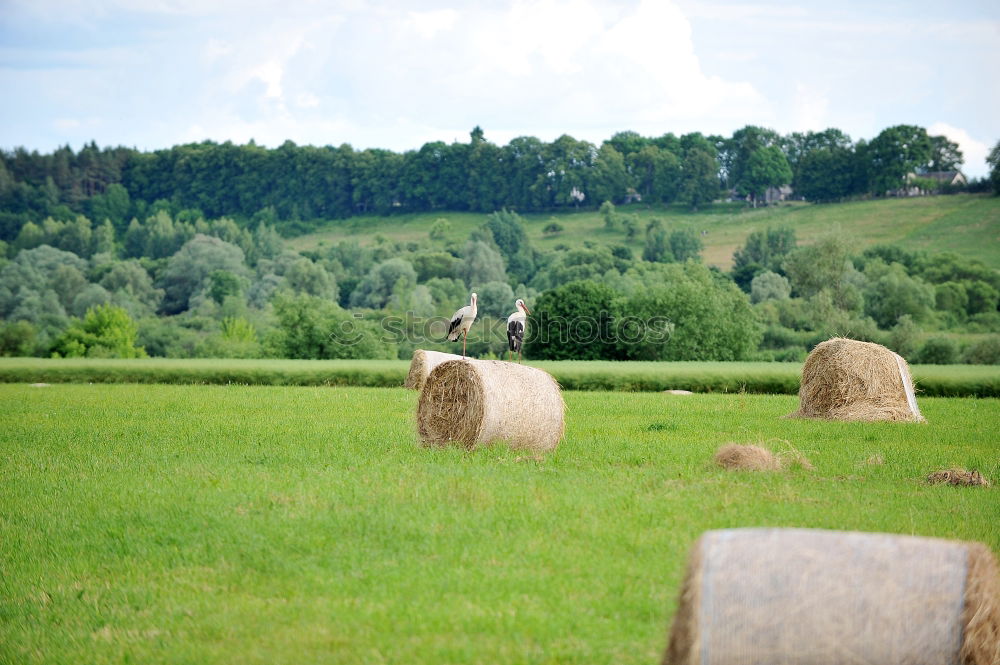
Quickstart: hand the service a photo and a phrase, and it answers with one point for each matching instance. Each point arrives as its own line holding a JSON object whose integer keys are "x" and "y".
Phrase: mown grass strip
{"x": 717, "y": 377}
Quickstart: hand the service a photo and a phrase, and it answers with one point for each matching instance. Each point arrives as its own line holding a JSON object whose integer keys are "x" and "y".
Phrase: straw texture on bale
{"x": 808, "y": 596}
{"x": 843, "y": 379}
{"x": 477, "y": 402}
{"x": 422, "y": 364}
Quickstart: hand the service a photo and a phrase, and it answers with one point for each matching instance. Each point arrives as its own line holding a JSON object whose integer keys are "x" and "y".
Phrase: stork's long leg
{"x": 465, "y": 336}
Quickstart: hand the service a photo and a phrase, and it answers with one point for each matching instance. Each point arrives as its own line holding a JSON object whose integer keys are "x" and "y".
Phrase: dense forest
{"x": 181, "y": 253}
{"x": 293, "y": 184}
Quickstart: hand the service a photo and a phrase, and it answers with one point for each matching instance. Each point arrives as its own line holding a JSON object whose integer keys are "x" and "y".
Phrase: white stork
{"x": 461, "y": 321}
{"x": 515, "y": 329}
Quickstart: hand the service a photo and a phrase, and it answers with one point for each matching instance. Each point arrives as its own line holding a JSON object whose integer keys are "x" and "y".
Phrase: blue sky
{"x": 394, "y": 74}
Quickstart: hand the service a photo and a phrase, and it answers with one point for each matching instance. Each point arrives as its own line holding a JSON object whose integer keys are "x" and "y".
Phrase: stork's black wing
{"x": 453, "y": 326}
{"x": 515, "y": 335}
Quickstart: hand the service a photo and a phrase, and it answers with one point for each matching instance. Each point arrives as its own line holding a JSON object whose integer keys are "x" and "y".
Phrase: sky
{"x": 396, "y": 74}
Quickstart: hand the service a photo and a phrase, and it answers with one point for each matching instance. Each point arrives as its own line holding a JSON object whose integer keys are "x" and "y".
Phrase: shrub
{"x": 709, "y": 317}
{"x": 984, "y": 352}
{"x": 769, "y": 286}
{"x": 573, "y": 322}
{"x": 938, "y": 351}
{"x": 106, "y": 331}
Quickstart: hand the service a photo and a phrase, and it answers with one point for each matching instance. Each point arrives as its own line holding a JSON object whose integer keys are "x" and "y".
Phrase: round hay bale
{"x": 844, "y": 379}
{"x": 828, "y": 597}
{"x": 477, "y": 402}
{"x": 736, "y": 457}
{"x": 422, "y": 364}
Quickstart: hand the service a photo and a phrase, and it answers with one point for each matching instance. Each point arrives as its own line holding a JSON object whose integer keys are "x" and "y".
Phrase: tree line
{"x": 179, "y": 287}
{"x": 290, "y": 184}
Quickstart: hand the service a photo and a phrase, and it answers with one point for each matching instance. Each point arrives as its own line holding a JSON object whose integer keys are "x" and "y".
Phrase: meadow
{"x": 726, "y": 377}
{"x": 964, "y": 223}
{"x": 271, "y": 524}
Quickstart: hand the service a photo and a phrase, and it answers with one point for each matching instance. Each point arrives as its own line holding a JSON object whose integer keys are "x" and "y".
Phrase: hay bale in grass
{"x": 422, "y": 364}
{"x": 737, "y": 457}
{"x": 477, "y": 402}
{"x": 961, "y": 477}
{"x": 843, "y": 379}
{"x": 826, "y": 597}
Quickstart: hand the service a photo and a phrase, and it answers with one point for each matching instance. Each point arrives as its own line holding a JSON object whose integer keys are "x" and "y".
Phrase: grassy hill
{"x": 965, "y": 223}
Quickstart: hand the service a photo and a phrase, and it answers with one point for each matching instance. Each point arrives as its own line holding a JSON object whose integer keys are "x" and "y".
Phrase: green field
{"x": 236, "y": 524}
{"x": 964, "y": 223}
{"x": 726, "y": 377}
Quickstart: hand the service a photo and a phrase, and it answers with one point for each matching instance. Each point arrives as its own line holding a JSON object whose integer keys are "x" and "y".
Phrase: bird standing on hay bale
{"x": 515, "y": 329}
{"x": 461, "y": 321}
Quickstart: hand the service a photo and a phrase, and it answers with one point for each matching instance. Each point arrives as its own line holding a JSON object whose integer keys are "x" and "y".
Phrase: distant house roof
{"x": 946, "y": 177}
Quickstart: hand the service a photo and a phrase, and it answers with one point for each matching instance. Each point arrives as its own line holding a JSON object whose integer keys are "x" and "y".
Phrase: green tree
{"x": 699, "y": 178}
{"x": 311, "y": 327}
{"x": 892, "y": 293}
{"x": 132, "y": 287}
{"x": 439, "y": 229}
{"x": 951, "y": 297}
{"x": 509, "y": 234}
{"x": 186, "y": 271}
{"x": 827, "y": 174}
{"x": 573, "y": 322}
{"x": 392, "y": 277}
{"x": 106, "y": 331}
{"x": 767, "y": 248}
{"x": 825, "y": 265}
{"x": 609, "y": 180}
{"x": 608, "y": 214}
{"x": 769, "y": 286}
{"x": 305, "y": 276}
{"x": 708, "y": 317}
{"x": 656, "y": 173}
{"x": 18, "y": 338}
{"x": 479, "y": 264}
{"x": 103, "y": 241}
{"x": 221, "y": 284}
{"x": 765, "y": 168}
{"x": 30, "y": 237}
{"x": 114, "y": 204}
{"x": 894, "y": 154}
{"x": 937, "y": 351}
{"x": 657, "y": 248}
{"x": 945, "y": 155}
{"x": 685, "y": 244}
{"x": 993, "y": 159}
{"x": 496, "y": 299}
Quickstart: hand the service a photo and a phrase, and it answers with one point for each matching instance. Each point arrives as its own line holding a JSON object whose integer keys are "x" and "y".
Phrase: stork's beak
{"x": 526, "y": 310}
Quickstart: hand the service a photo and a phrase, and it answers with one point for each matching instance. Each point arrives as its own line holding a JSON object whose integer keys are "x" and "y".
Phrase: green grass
{"x": 752, "y": 377}
{"x": 234, "y": 524}
{"x": 964, "y": 223}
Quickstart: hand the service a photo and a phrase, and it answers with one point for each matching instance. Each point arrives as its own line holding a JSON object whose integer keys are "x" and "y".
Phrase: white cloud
{"x": 306, "y": 100}
{"x": 429, "y": 24}
{"x": 973, "y": 151}
{"x": 809, "y": 109}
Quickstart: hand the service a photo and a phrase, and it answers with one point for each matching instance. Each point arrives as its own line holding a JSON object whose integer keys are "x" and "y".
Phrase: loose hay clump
{"x": 736, "y": 457}
{"x": 477, "y": 402}
{"x": 843, "y": 379}
{"x": 830, "y": 597}
{"x": 422, "y": 364}
{"x": 958, "y": 477}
